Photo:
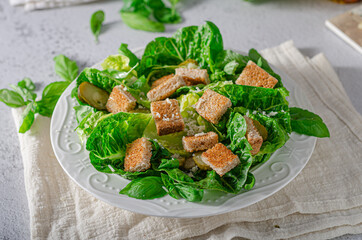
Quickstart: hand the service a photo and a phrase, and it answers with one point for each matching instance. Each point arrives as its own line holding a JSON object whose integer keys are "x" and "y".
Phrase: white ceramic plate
{"x": 284, "y": 165}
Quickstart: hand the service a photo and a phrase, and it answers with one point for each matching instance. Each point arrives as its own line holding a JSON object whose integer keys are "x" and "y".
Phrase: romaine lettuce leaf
{"x": 108, "y": 141}
{"x": 89, "y": 122}
{"x": 200, "y": 43}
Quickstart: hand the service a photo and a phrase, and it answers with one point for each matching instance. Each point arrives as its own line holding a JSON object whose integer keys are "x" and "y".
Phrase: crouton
{"x": 199, "y": 162}
{"x": 138, "y": 155}
{"x": 253, "y": 75}
{"x": 120, "y": 100}
{"x": 167, "y": 116}
{"x": 193, "y": 76}
{"x": 165, "y": 89}
{"x": 161, "y": 80}
{"x": 220, "y": 158}
{"x": 212, "y": 106}
{"x": 200, "y": 142}
{"x": 253, "y": 136}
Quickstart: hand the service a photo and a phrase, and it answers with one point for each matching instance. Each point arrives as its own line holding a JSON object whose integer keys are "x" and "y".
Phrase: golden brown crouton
{"x": 120, "y": 100}
{"x": 200, "y": 142}
{"x": 220, "y": 158}
{"x": 253, "y": 136}
{"x": 193, "y": 76}
{"x": 161, "y": 80}
{"x": 212, "y": 106}
{"x": 253, "y": 75}
{"x": 138, "y": 155}
{"x": 165, "y": 89}
{"x": 167, "y": 116}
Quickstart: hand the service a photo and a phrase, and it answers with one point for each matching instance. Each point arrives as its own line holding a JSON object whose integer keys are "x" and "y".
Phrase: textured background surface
{"x": 30, "y": 40}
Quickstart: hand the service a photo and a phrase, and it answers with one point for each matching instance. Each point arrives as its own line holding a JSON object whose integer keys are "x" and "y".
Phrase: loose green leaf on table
{"x": 96, "y": 21}
{"x": 65, "y": 68}
{"x": 11, "y": 98}
{"x": 50, "y": 97}
{"x": 140, "y": 22}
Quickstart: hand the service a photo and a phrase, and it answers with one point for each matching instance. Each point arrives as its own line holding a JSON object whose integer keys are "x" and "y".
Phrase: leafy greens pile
{"x": 106, "y": 135}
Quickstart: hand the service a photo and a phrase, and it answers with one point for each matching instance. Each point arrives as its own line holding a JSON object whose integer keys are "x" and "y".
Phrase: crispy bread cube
{"x": 193, "y": 76}
{"x": 200, "y": 142}
{"x": 253, "y": 136}
{"x": 212, "y": 106}
{"x": 138, "y": 155}
{"x": 161, "y": 80}
{"x": 167, "y": 116}
{"x": 120, "y": 100}
{"x": 220, "y": 158}
{"x": 165, "y": 89}
{"x": 253, "y": 75}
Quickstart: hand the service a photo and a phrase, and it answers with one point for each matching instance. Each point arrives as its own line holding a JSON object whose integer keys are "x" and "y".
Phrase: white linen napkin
{"x": 30, "y": 5}
{"x": 323, "y": 201}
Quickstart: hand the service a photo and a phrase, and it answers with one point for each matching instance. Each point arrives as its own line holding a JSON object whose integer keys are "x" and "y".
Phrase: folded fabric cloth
{"x": 42, "y": 4}
{"x": 323, "y": 201}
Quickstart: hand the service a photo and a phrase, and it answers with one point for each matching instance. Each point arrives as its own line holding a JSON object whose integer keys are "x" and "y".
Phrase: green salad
{"x": 187, "y": 116}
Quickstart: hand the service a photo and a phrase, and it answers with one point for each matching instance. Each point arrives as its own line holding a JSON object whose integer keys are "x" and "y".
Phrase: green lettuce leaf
{"x": 201, "y": 44}
{"x": 108, "y": 141}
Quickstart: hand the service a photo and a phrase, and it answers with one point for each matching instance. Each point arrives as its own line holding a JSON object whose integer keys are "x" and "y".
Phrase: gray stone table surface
{"x": 30, "y": 40}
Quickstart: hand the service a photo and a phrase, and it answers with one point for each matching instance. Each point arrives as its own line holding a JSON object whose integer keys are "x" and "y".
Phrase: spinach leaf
{"x": 308, "y": 123}
{"x": 27, "y": 117}
{"x": 96, "y": 21}
{"x": 145, "y": 188}
{"x": 65, "y": 68}
{"x": 11, "y": 98}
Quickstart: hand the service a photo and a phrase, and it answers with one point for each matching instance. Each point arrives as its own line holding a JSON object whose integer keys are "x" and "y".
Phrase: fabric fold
{"x": 323, "y": 201}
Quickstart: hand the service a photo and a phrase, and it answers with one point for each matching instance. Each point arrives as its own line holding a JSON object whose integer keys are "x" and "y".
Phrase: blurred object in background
{"x": 346, "y": 1}
{"x": 348, "y": 26}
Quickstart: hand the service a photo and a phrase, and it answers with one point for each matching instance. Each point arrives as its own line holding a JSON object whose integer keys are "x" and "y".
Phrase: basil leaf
{"x": 96, "y": 21}
{"x": 27, "y": 83}
{"x": 167, "y": 15}
{"x": 65, "y": 68}
{"x": 50, "y": 97}
{"x": 145, "y": 188}
{"x": 24, "y": 92}
{"x": 11, "y": 98}
{"x": 27, "y": 117}
{"x": 190, "y": 193}
{"x": 140, "y": 22}
{"x": 308, "y": 123}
